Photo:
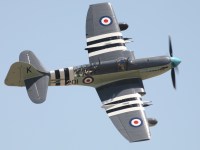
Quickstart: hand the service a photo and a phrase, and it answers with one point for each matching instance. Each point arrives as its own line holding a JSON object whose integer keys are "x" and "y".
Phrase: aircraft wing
{"x": 104, "y": 37}
{"x": 123, "y": 104}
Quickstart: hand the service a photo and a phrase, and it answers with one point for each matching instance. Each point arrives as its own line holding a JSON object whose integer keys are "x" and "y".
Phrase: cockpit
{"x": 122, "y": 63}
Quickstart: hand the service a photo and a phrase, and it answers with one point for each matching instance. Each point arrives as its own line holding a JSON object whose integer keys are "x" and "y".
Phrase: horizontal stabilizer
{"x": 37, "y": 88}
{"x": 30, "y": 58}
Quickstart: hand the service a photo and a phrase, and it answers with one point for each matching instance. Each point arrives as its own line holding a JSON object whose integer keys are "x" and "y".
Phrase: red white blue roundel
{"x": 135, "y": 122}
{"x": 88, "y": 80}
{"x": 105, "y": 21}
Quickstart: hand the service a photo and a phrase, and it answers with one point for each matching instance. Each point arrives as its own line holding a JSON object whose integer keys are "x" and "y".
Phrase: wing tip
{"x": 141, "y": 140}
{"x": 104, "y": 3}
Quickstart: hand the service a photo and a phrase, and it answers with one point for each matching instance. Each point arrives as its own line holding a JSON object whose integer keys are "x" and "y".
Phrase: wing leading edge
{"x": 124, "y": 106}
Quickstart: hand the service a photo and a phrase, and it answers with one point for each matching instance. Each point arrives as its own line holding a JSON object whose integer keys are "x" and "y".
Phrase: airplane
{"x": 113, "y": 71}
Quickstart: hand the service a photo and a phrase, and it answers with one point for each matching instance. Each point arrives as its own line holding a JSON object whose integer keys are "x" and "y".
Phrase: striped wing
{"x": 124, "y": 106}
{"x": 104, "y": 38}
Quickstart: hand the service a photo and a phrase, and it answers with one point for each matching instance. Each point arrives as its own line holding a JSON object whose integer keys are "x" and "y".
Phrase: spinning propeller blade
{"x": 175, "y": 63}
{"x": 173, "y": 75}
{"x": 170, "y": 47}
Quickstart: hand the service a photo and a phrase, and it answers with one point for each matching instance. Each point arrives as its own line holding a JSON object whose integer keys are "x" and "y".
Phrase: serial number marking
{"x": 71, "y": 82}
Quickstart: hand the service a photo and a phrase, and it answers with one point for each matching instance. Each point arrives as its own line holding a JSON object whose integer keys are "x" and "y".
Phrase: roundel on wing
{"x": 105, "y": 20}
{"x": 135, "y": 122}
{"x": 88, "y": 80}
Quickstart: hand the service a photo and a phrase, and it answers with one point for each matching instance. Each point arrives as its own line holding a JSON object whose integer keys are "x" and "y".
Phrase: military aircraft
{"x": 113, "y": 71}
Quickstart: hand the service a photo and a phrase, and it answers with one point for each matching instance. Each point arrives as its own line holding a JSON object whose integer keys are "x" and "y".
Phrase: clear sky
{"x": 72, "y": 117}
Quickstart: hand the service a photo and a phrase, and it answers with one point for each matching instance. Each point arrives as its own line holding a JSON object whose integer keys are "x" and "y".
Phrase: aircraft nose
{"x": 175, "y": 61}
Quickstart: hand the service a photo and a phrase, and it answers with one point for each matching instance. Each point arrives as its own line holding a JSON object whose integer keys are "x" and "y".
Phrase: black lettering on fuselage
{"x": 71, "y": 82}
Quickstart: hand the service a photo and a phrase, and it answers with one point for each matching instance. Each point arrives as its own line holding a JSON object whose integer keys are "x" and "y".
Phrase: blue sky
{"x": 72, "y": 117}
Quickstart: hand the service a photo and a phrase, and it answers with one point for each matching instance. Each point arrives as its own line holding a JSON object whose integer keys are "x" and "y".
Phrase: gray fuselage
{"x": 101, "y": 73}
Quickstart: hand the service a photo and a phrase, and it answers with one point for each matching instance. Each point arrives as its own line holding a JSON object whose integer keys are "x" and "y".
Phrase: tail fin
{"x": 30, "y": 73}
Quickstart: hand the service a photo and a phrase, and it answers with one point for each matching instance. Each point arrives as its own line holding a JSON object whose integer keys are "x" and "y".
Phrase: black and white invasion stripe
{"x": 105, "y": 43}
{"x": 61, "y": 76}
{"x": 123, "y": 104}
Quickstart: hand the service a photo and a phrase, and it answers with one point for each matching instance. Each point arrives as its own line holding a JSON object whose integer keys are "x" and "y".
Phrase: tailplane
{"x": 29, "y": 72}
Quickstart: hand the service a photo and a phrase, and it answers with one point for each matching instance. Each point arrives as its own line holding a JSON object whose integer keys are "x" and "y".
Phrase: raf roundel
{"x": 88, "y": 80}
{"x": 105, "y": 21}
{"x": 135, "y": 122}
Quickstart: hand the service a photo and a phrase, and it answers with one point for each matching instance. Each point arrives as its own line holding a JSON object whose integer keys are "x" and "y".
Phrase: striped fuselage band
{"x": 105, "y": 43}
{"x": 61, "y": 76}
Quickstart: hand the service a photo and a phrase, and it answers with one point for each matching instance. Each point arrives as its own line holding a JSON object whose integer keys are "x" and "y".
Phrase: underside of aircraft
{"x": 113, "y": 71}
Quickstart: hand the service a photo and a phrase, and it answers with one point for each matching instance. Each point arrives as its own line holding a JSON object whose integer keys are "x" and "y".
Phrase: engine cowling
{"x": 152, "y": 122}
{"x": 123, "y": 26}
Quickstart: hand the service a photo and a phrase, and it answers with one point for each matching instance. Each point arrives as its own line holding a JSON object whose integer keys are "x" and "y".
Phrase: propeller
{"x": 170, "y": 47}
{"x": 175, "y": 62}
{"x": 173, "y": 75}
